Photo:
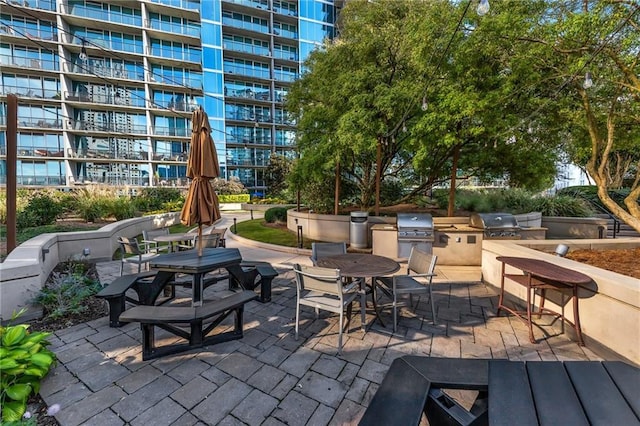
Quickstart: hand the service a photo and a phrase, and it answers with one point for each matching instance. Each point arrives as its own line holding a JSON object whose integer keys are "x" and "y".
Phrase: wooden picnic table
{"x": 510, "y": 392}
{"x": 542, "y": 275}
{"x": 188, "y": 262}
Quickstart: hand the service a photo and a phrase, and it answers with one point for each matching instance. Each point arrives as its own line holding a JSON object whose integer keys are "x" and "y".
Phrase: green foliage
{"x": 590, "y": 194}
{"x": 40, "y": 210}
{"x": 92, "y": 209}
{"x": 157, "y": 199}
{"x": 515, "y": 201}
{"x": 234, "y": 198}
{"x": 269, "y": 200}
{"x": 24, "y": 362}
{"x": 122, "y": 208}
{"x": 275, "y": 174}
{"x": 66, "y": 291}
{"x": 233, "y": 186}
{"x": 275, "y": 215}
{"x": 391, "y": 191}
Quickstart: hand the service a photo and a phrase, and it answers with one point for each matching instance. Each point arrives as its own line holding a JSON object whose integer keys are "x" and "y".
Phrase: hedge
{"x": 234, "y": 198}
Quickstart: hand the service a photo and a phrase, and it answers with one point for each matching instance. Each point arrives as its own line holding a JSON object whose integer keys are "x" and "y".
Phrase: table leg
{"x": 363, "y": 304}
{"x": 196, "y": 298}
{"x": 501, "y": 299}
{"x": 576, "y": 315}
{"x": 529, "y": 322}
{"x": 375, "y": 303}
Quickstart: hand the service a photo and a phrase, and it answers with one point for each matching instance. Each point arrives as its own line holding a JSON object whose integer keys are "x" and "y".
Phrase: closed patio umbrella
{"x": 201, "y": 205}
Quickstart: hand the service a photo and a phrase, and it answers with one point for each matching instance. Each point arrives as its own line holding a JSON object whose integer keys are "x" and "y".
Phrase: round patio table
{"x": 361, "y": 266}
{"x": 174, "y": 239}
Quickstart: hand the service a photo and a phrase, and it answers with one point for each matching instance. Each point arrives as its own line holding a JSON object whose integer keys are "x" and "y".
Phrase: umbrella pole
{"x": 199, "y": 239}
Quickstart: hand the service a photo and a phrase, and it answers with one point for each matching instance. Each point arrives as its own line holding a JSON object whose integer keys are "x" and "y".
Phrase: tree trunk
{"x": 452, "y": 191}
{"x": 336, "y": 196}
{"x": 378, "y": 175}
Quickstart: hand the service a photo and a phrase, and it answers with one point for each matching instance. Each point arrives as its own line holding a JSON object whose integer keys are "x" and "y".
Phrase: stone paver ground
{"x": 268, "y": 377}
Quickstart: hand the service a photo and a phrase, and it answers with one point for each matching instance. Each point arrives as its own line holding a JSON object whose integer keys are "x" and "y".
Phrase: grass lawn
{"x": 257, "y": 230}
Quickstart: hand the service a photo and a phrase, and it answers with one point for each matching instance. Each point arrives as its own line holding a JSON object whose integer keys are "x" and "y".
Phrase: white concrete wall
{"x": 27, "y": 268}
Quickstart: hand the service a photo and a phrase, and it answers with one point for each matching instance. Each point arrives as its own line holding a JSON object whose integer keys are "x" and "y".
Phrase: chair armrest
{"x": 423, "y": 275}
{"x": 351, "y": 287}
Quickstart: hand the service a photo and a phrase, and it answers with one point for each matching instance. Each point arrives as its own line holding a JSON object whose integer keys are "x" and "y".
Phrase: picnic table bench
{"x": 200, "y": 319}
{"x": 249, "y": 275}
{"x": 115, "y": 294}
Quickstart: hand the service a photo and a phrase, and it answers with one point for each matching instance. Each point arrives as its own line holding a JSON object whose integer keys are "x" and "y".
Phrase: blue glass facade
{"x": 115, "y": 107}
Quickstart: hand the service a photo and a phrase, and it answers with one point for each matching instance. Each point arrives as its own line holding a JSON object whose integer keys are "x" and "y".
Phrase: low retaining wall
{"x": 575, "y": 227}
{"x": 609, "y": 308}
{"x": 26, "y": 269}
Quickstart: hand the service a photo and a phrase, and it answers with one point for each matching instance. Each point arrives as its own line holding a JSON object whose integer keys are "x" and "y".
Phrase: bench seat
{"x": 249, "y": 275}
{"x": 115, "y": 294}
{"x": 201, "y": 319}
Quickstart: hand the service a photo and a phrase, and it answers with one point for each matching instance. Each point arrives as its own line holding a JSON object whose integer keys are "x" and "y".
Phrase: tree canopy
{"x": 421, "y": 91}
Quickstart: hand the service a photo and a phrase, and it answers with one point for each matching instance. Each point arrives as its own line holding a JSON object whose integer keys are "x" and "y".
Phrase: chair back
{"x": 322, "y": 280}
{"x": 218, "y": 231}
{"x": 421, "y": 262}
{"x": 319, "y": 250}
{"x": 129, "y": 246}
{"x": 209, "y": 240}
{"x": 150, "y": 234}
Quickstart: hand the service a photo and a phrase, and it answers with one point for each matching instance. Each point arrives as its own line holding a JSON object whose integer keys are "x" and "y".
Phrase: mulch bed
{"x": 622, "y": 261}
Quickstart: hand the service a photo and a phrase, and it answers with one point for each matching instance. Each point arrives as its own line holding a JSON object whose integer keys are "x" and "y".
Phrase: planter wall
{"x": 609, "y": 307}
{"x": 26, "y": 269}
{"x": 575, "y": 227}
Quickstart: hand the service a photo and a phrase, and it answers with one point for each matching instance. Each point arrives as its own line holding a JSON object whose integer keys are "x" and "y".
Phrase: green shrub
{"x": 66, "y": 291}
{"x": 24, "y": 362}
{"x": 40, "y": 210}
{"x": 154, "y": 199}
{"x": 234, "y": 198}
{"x": 561, "y": 205}
{"x": 276, "y": 215}
{"x": 122, "y": 208}
{"x": 92, "y": 210}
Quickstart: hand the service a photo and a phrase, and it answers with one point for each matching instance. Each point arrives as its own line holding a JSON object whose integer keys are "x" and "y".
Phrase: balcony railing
{"x": 30, "y": 92}
{"x": 93, "y": 126}
{"x": 108, "y": 99}
{"x": 246, "y": 48}
{"x": 103, "y": 15}
{"x": 40, "y": 152}
{"x": 104, "y": 71}
{"x": 171, "y": 131}
{"x": 107, "y": 44}
{"x": 32, "y": 63}
{"x": 17, "y": 29}
{"x": 173, "y": 28}
{"x": 182, "y": 4}
{"x": 282, "y": 54}
{"x": 262, "y": 95}
{"x": 251, "y": 26}
{"x": 40, "y": 180}
{"x": 258, "y": 4}
{"x": 285, "y": 33}
{"x": 178, "y": 55}
{"x": 195, "y": 83}
{"x": 285, "y": 75}
{"x": 41, "y": 123}
{"x": 36, "y": 4}
{"x": 249, "y": 71}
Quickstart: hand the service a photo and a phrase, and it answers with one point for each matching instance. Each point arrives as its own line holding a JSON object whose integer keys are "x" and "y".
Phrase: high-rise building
{"x": 106, "y": 88}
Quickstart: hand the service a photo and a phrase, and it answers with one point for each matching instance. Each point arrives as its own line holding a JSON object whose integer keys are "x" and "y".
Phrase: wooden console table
{"x": 539, "y": 274}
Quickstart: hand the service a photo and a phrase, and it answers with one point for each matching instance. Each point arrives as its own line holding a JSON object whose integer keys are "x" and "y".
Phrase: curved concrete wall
{"x": 26, "y": 269}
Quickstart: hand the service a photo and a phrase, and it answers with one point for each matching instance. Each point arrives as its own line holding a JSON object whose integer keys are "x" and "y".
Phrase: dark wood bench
{"x": 115, "y": 294}
{"x": 212, "y": 313}
{"x": 248, "y": 275}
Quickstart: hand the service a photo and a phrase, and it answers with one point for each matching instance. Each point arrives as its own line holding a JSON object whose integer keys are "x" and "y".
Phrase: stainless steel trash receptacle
{"x": 358, "y": 230}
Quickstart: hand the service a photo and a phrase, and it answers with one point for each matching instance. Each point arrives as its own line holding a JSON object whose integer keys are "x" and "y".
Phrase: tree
{"x": 275, "y": 175}
{"x": 359, "y": 106}
{"x": 601, "y": 38}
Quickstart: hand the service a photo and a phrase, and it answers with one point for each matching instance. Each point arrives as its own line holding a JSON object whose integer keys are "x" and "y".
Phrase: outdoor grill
{"x": 414, "y": 230}
{"x": 497, "y": 226}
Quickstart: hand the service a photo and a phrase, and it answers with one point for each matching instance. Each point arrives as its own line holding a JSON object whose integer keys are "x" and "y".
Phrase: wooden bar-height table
{"x": 361, "y": 266}
{"x": 539, "y": 274}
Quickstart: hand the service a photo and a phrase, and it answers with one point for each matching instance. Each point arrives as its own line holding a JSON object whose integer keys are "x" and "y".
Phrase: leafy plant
{"x": 66, "y": 291}
{"x": 122, "y": 208}
{"x": 40, "y": 210}
{"x": 154, "y": 199}
{"x": 24, "y": 362}
{"x": 276, "y": 214}
{"x": 233, "y": 198}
